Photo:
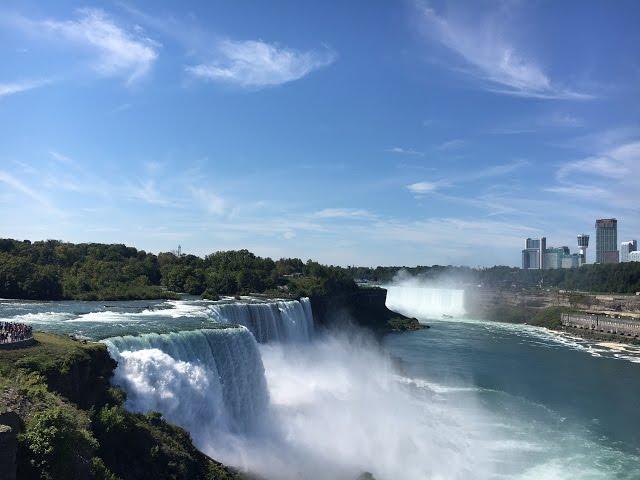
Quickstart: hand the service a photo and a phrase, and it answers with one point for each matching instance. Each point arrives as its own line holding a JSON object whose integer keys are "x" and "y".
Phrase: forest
{"x": 52, "y": 270}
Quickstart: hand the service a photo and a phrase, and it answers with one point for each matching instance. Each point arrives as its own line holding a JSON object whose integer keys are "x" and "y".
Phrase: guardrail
{"x": 601, "y": 323}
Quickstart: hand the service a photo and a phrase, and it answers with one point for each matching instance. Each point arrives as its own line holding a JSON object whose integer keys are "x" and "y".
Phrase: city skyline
{"x": 538, "y": 254}
{"x": 410, "y": 140}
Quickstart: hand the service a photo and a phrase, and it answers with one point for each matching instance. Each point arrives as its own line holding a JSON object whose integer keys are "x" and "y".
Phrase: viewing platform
{"x": 15, "y": 335}
{"x": 601, "y": 323}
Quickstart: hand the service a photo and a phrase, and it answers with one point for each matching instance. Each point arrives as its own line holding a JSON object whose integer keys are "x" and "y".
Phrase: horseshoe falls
{"x": 425, "y": 302}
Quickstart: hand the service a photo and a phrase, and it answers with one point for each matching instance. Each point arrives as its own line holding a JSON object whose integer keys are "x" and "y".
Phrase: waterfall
{"x": 207, "y": 381}
{"x": 423, "y": 302}
{"x": 282, "y": 321}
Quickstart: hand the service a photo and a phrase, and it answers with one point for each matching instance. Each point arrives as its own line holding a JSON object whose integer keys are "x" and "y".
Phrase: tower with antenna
{"x": 583, "y": 243}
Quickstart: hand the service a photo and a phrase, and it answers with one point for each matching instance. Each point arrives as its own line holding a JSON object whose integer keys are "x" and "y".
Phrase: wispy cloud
{"x": 259, "y": 64}
{"x": 609, "y": 178}
{"x": 120, "y": 52}
{"x": 12, "y": 88}
{"x": 61, "y": 158}
{"x": 23, "y": 188}
{"x": 452, "y": 144}
{"x": 489, "y": 56}
{"x": 562, "y": 120}
{"x": 405, "y": 151}
{"x": 350, "y": 213}
{"x": 149, "y": 193}
{"x": 210, "y": 201}
{"x": 422, "y": 188}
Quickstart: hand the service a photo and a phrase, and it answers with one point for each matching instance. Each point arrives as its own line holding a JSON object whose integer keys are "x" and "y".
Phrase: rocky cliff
{"x": 363, "y": 308}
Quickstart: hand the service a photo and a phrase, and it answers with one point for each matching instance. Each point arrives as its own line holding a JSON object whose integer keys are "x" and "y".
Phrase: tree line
{"x": 52, "y": 270}
{"x": 609, "y": 278}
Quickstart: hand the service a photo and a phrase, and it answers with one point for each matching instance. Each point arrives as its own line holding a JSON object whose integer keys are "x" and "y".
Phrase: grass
{"x": 50, "y": 351}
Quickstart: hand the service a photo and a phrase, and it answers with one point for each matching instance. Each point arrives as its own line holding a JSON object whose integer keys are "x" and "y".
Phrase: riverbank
{"x": 547, "y": 317}
{"x": 63, "y": 419}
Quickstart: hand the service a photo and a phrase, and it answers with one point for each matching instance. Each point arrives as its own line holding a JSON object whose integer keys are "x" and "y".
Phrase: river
{"x": 464, "y": 399}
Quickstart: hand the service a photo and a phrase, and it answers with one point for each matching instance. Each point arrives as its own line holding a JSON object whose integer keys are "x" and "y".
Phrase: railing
{"x": 601, "y": 323}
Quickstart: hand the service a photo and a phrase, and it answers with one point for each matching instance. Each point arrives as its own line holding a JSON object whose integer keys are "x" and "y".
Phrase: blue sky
{"x": 361, "y": 133}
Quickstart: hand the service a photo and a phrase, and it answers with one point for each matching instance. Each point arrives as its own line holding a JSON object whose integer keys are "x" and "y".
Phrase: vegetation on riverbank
{"x": 613, "y": 278}
{"x": 53, "y": 270}
{"x": 72, "y": 423}
{"x": 546, "y": 317}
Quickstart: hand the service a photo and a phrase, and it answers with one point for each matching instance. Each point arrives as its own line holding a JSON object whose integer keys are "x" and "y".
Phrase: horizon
{"x": 434, "y": 134}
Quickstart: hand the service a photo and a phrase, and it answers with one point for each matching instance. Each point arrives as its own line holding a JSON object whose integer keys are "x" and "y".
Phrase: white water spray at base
{"x": 425, "y": 302}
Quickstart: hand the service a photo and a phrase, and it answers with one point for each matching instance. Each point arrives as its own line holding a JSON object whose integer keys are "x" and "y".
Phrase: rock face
{"x": 364, "y": 308}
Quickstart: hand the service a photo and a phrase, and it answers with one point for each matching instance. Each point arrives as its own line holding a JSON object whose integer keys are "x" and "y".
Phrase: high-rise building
{"x": 626, "y": 248}
{"x": 634, "y": 256}
{"x": 558, "y": 257}
{"x": 607, "y": 240}
{"x": 533, "y": 253}
{"x": 583, "y": 243}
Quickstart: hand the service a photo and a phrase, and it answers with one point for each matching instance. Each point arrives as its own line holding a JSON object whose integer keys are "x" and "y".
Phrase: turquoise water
{"x": 570, "y": 408}
{"x": 464, "y": 399}
{"x": 99, "y": 320}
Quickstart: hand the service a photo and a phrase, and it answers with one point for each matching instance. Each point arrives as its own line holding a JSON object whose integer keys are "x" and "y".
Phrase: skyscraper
{"x": 626, "y": 248}
{"x": 533, "y": 253}
{"x": 607, "y": 240}
{"x": 583, "y": 243}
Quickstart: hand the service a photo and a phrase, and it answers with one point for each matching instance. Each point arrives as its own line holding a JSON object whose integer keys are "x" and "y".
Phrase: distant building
{"x": 536, "y": 255}
{"x": 560, "y": 257}
{"x": 583, "y": 243}
{"x": 626, "y": 248}
{"x": 634, "y": 256}
{"x": 573, "y": 260}
{"x": 607, "y": 240}
{"x": 533, "y": 253}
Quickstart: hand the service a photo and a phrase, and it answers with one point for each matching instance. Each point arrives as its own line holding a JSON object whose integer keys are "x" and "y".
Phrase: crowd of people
{"x": 14, "y": 332}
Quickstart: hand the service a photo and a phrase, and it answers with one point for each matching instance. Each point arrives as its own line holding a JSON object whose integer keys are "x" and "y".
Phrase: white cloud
{"x": 128, "y": 54}
{"x": 20, "y": 186}
{"x": 148, "y": 192}
{"x": 491, "y": 57}
{"x": 419, "y": 189}
{"x": 452, "y": 144}
{"x": 562, "y": 120}
{"x": 210, "y": 201}
{"x": 260, "y": 64}
{"x": 422, "y": 188}
{"x": 7, "y": 89}
{"x": 60, "y": 157}
{"x": 352, "y": 213}
{"x": 405, "y": 151}
{"x": 608, "y": 180}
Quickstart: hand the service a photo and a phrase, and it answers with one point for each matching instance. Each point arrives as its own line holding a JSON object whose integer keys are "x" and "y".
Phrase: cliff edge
{"x": 61, "y": 419}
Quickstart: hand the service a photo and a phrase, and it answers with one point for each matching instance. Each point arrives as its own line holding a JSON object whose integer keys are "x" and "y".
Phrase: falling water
{"x": 424, "y": 302}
